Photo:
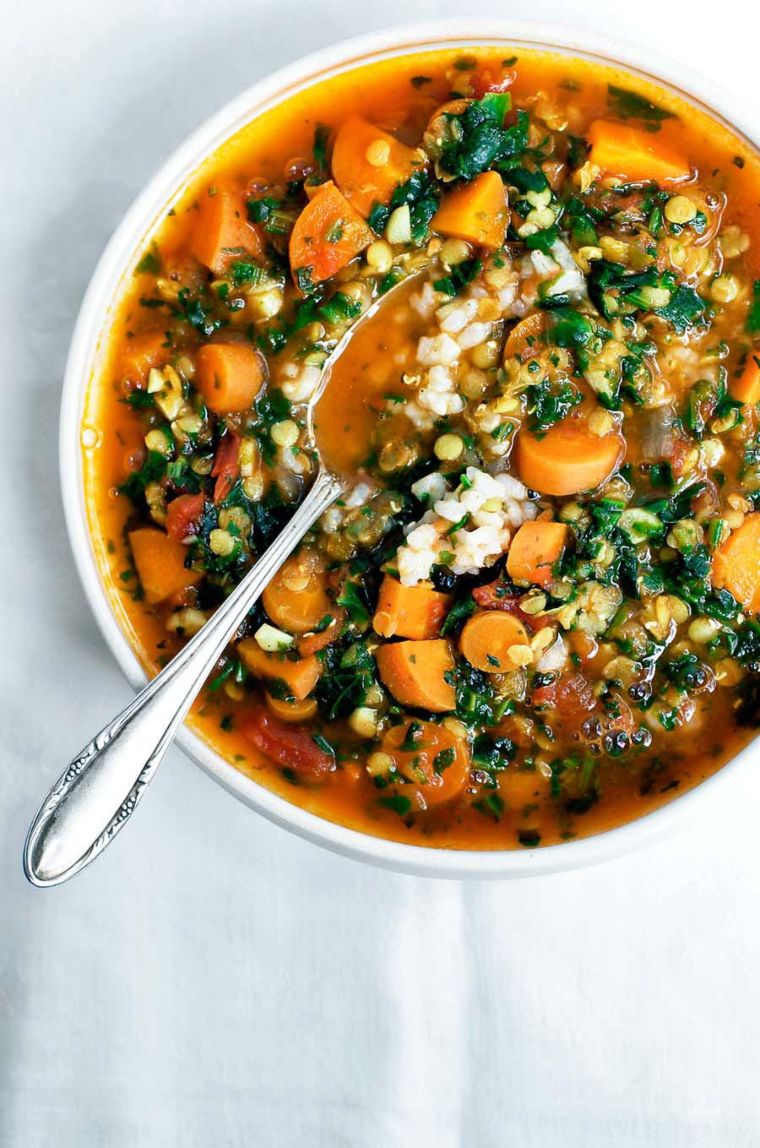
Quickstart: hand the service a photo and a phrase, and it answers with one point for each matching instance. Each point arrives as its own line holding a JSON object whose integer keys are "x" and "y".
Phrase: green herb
{"x": 459, "y": 277}
{"x": 322, "y": 743}
{"x": 340, "y": 308}
{"x": 152, "y": 470}
{"x": 233, "y": 668}
{"x": 684, "y": 310}
{"x": 421, "y": 195}
{"x": 321, "y": 135}
{"x": 491, "y": 804}
{"x": 543, "y": 240}
{"x": 571, "y": 328}
{"x": 420, "y": 81}
{"x": 443, "y": 759}
{"x": 687, "y": 672}
{"x": 477, "y": 703}
{"x": 389, "y": 281}
{"x": 139, "y": 400}
{"x": 707, "y": 400}
{"x": 477, "y": 140}
{"x": 412, "y": 737}
{"x": 349, "y": 673}
{"x": 271, "y": 407}
{"x": 549, "y": 403}
{"x": 753, "y": 318}
{"x": 150, "y": 264}
{"x": 354, "y": 602}
{"x": 262, "y": 210}
{"x": 195, "y": 310}
{"x": 397, "y": 802}
{"x": 244, "y": 272}
{"x": 493, "y": 753}
{"x": 458, "y": 614}
{"x": 304, "y": 281}
{"x": 628, "y": 105}
{"x": 335, "y": 233}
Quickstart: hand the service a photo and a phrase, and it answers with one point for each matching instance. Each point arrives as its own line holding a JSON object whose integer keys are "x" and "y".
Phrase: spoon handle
{"x": 99, "y": 790}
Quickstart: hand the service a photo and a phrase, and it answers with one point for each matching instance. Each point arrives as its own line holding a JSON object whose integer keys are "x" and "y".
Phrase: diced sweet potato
{"x": 368, "y": 164}
{"x": 475, "y": 211}
{"x": 635, "y": 155}
{"x": 416, "y": 673}
{"x": 222, "y": 231}
{"x": 736, "y": 564}
{"x": 534, "y": 550}
{"x": 328, "y": 234}
{"x": 300, "y": 676}
{"x": 409, "y": 611}
{"x": 160, "y": 564}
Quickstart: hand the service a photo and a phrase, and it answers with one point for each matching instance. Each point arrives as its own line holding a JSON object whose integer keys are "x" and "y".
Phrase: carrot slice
{"x": 569, "y": 458}
{"x": 300, "y": 677}
{"x": 368, "y": 164}
{"x": 431, "y": 757}
{"x": 523, "y": 341}
{"x": 409, "y": 611}
{"x": 487, "y": 639}
{"x": 415, "y": 673}
{"x": 534, "y": 550}
{"x": 182, "y": 513}
{"x": 736, "y": 564}
{"x": 296, "y": 598}
{"x": 229, "y": 376}
{"x": 160, "y": 563}
{"x": 143, "y": 352}
{"x": 327, "y": 235}
{"x": 746, "y": 389}
{"x": 633, "y": 154}
{"x": 476, "y": 212}
{"x": 291, "y": 711}
{"x": 222, "y": 232}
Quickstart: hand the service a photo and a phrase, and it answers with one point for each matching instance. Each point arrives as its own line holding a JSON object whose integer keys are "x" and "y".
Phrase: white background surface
{"x": 213, "y": 981}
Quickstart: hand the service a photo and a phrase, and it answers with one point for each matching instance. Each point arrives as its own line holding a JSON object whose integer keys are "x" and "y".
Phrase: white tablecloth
{"x": 213, "y": 981}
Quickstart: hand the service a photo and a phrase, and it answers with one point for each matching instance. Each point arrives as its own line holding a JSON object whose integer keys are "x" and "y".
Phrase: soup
{"x": 532, "y": 616}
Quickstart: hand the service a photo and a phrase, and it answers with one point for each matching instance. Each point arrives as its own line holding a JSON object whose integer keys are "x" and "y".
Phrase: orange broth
{"x": 391, "y": 93}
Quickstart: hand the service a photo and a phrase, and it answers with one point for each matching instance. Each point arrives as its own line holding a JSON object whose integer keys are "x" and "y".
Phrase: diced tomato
{"x": 488, "y": 81}
{"x": 570, "y": 698}
{"x": 182, "y": 514}
{"x": 226, "y": 467}
{"x": 285, "y": 745}
{"x": 492, "y": 597}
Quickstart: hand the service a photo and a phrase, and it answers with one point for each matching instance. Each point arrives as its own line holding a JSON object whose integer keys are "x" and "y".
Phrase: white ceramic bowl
{"x": 87, "y": 345}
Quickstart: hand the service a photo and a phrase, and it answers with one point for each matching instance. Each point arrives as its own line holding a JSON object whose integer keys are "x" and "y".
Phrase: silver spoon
{"x": 100, "y": 789}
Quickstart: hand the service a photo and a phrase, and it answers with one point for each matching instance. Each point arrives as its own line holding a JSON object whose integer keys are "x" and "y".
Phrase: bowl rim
{"x": 103, "y": 291}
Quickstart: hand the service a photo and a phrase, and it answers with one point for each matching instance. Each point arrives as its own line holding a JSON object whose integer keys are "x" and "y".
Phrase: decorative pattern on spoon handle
{"x": 97, "y": 793}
